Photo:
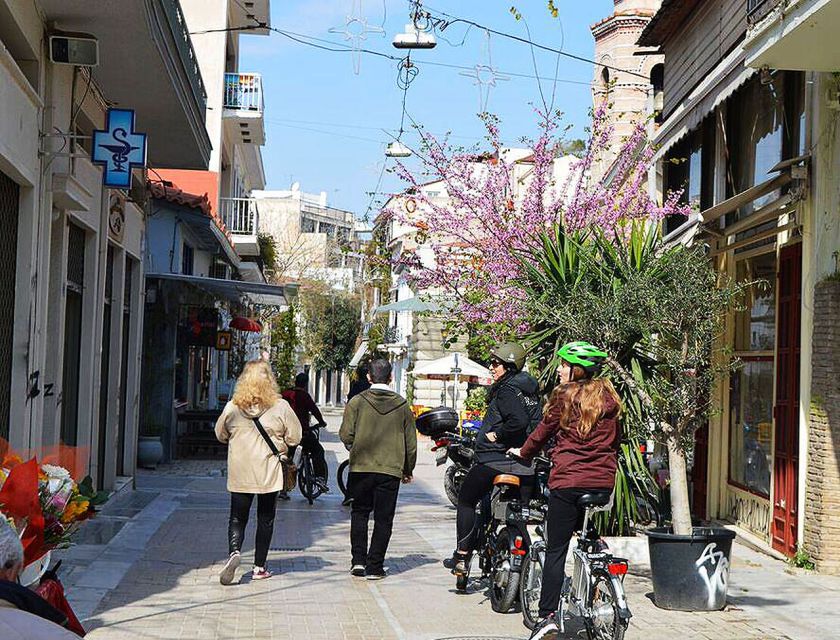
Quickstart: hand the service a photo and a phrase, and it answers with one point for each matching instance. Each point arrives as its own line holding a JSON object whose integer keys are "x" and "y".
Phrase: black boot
{"x": 458, "y": 564}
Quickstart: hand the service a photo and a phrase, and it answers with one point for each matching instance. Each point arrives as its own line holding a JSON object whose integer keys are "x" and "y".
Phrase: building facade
{"x": 746, "y": 106}
{"x": 72, "y": 292}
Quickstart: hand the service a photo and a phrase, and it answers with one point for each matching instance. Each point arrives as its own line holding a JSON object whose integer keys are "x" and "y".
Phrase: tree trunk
{"x": 680, "y": 510}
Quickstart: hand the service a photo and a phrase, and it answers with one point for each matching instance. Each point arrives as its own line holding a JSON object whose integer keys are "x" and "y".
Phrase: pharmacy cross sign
{"x": 119, "y": 148}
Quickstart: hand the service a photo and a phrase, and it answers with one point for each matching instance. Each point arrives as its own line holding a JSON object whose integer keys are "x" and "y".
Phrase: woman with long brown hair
{"x": 255, "y": 412}
{"x": 582, "y": 415}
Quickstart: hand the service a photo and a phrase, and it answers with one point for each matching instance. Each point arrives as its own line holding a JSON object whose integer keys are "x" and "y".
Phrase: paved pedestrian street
{"x": 148, "y": 568}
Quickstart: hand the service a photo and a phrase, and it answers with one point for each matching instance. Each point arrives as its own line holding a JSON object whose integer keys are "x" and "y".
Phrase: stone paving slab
{"x": 170, "y": 588}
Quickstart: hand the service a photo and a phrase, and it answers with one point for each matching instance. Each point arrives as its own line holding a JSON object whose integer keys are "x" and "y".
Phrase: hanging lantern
{"x": 397, "y": 149}
{"x": 414, "y": 38}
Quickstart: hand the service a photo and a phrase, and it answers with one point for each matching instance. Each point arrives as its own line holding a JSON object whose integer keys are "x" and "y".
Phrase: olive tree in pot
{"x": 659, "y": 312}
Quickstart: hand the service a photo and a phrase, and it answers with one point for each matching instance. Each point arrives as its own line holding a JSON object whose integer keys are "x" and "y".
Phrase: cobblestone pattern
{"x": 822, "y": 490}
{"x": 171, "y": 590}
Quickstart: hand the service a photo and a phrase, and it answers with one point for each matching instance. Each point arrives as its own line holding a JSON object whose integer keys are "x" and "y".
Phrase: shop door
{"x": 105, "y": 371}
{"x": 786, "y": 409}
{"x": 9, "y": 197}
{"x": 73, "y": 315}
{"x": 699, "y": 472}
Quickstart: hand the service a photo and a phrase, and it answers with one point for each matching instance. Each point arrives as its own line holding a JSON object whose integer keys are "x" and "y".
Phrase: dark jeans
{"x": 564, "y": 518}
{"x": 310, "y": 443}
{"x": 478, "y": 483}
{"x": 240, "y": 506}
{"x": 376, "y": 492}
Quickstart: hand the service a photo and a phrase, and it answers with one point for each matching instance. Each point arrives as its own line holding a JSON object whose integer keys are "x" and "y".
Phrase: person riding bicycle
{"x": 505, "y": 425}
{"x": 304, "y": 407}
{"x": 582, "y": 415}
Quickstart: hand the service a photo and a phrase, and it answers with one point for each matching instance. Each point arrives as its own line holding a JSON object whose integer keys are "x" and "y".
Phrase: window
{"x": 307, "y": 225}
{"x": 187, "y": 260}
{"x": 657, "y": 81}
{"x": 689, "y": 167}
{"x": 751, "y": 387}
{"x": 765, "y": 123}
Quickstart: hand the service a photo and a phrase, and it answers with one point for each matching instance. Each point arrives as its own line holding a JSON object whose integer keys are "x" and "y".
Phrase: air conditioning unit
{"x": 79, "y": 50}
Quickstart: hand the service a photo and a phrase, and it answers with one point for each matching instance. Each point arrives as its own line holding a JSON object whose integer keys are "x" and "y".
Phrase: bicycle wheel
{"x": 306, "y": 480}
{"x": 530, "y": 586}
{"x": 605, "y": 623}
{"x": 342, "y": 476}
{"x": 504, "y": 583}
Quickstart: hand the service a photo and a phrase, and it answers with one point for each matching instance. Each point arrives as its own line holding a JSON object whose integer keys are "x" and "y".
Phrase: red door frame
{"x": 786, "y": 409}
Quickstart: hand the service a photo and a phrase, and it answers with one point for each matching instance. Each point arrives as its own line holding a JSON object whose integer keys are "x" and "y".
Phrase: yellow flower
{"x": 74, "y": 510}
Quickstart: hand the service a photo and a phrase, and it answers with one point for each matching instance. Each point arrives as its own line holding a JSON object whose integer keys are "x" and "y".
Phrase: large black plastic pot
{"x": 690, "y": 573}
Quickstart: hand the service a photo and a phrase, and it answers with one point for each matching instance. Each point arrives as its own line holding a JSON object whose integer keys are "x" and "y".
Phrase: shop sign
{"x": 116, "y": 216}
{"x": 119, "y": 148}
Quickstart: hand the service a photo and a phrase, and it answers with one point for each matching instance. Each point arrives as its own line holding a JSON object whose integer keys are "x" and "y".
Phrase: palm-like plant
{"x": 657, "y": 310}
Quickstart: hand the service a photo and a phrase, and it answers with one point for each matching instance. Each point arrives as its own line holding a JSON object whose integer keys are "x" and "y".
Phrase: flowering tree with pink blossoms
{"x": 476, "y": 234}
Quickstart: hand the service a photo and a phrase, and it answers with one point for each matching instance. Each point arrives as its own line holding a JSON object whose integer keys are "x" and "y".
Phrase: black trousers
{"x": 310, "y": 443}
{"x": 377, "y": 493}
{"x": 240, "y": 507}
{"x": 478, "y": 483}
{"x": 564, "y": 518}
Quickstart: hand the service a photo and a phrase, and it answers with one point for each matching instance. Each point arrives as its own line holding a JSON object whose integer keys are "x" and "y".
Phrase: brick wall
{"x": 822, "y": 490}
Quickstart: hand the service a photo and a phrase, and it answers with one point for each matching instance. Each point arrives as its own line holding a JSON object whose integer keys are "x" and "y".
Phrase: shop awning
{"x": 234, "y": 290}
{"x": 409, "y": 304}
{"x": 241, "y": 323}
{"x": 451, "y": 365}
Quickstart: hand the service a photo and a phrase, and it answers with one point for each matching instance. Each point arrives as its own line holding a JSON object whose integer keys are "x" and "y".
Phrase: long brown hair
{"x": 583, "y": 396}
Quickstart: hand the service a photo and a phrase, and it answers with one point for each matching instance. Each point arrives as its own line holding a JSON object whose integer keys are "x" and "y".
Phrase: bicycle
{"x": 342, "y": 477}
{"x": 307, "y": 481}
{"x": 595, "y": 592}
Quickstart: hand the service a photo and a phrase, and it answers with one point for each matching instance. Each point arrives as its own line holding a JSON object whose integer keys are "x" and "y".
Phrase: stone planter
{"x": 149, "y": 451}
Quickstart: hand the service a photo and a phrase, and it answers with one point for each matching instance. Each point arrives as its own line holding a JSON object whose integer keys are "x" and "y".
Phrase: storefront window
{"x": 755, "y": 324}
{"x": 751, "y": 387}
{"x": 751, "y": 426}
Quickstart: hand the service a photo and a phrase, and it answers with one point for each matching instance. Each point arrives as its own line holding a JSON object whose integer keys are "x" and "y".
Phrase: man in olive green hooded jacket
{"x": 378, "y": 428}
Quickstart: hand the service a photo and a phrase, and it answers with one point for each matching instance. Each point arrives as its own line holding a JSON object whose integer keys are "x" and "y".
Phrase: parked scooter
{"x": 460, "y": 449}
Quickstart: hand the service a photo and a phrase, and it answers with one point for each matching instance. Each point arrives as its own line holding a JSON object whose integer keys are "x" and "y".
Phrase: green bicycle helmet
{"x": 589, "y": 357}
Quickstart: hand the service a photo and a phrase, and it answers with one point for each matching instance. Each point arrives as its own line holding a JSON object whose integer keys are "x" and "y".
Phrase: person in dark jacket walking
{"x": 512, "y": 400}
{"x": 582, "y": 416}
{"x": 361, "y": 383}
{"x": 378, "y": 428}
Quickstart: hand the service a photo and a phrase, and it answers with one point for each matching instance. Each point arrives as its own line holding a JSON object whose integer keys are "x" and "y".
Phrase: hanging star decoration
{"x": 485, "y": 77}
{"x": 355, "y": 31}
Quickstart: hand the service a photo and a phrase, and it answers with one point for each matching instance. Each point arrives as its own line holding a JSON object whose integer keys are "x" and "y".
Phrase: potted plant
{"x": 149, "y": 445}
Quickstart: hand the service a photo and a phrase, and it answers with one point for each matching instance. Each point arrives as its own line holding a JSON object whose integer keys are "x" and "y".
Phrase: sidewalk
{"x": 149, "y": 567}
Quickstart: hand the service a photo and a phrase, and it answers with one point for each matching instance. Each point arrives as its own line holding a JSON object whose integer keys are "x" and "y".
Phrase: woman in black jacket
{"x": 513, "y": 404}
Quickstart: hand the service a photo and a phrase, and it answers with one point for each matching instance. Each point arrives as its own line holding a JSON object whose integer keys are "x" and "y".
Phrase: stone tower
{"x": 631, "y": 96}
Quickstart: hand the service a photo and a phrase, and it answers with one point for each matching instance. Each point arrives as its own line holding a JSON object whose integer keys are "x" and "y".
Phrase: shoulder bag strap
{"x": 266, "y": 437}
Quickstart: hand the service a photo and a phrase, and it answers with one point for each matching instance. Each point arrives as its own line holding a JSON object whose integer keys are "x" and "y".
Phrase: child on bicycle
{"x": 582, "y": 415}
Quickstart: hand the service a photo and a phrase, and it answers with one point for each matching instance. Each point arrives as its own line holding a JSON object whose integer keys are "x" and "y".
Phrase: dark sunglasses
{"x": 496, "y": 363}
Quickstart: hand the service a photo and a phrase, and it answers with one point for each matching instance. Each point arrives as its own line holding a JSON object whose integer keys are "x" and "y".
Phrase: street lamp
{"x": 397, "y": 149}
{"x": 414, "y": 38}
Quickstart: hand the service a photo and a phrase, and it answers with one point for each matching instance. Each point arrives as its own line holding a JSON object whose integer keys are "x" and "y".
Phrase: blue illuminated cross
{"x": 119, "y": 148}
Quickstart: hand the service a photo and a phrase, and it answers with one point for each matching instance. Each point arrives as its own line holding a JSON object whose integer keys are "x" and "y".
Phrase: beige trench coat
{"x": 251, "y": 466}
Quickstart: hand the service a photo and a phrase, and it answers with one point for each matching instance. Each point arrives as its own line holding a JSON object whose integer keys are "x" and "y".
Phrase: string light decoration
{"x": 355, "y": 31}
{"x": 406, "y": 73}
{"x": 485, "y": 76}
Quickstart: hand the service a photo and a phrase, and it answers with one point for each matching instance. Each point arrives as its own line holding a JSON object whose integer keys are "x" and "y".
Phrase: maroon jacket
{"x": 579, "y": 463}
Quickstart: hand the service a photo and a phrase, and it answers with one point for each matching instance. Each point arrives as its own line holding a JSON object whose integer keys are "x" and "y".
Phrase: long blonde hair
{"x": 583, "y": 396}
{"x": 256, "y": 387}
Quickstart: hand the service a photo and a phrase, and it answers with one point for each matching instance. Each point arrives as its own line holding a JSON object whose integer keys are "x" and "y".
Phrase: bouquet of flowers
{"x": 44, "y": 503}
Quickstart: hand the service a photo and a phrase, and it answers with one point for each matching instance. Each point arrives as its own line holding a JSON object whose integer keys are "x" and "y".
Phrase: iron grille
{"x": 760, "y": 9}
{"x": 9, "y": 202}
{"x": 76, "y": 257}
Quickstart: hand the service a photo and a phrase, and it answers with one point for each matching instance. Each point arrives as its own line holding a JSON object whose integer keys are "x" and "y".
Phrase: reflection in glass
{"x": 751, "y": 426}
{"x": 755, "y": 325}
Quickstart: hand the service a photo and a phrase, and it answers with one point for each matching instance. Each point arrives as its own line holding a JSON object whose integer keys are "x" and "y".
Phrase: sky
{"x": 324, "y": 121}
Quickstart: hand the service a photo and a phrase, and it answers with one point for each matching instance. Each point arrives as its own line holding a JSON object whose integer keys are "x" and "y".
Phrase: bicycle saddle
{"x": 506, "y": 478}
{"x": 594, "y": 499}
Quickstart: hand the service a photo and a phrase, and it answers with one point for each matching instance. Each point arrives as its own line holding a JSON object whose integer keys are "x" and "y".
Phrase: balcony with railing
{"x": 793, "y": 34}
{"x": 242, "y": 219}
{"x": 243, "y": 107}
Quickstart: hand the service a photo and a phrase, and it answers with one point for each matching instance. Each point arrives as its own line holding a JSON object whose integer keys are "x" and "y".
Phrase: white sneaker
{"x": 229, "y": 571}
{"x": 358, "y": 570}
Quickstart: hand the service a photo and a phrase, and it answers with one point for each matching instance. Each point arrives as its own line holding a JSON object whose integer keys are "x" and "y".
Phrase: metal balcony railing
{"x": 243, "y": 92}
{"x": 392, "y": 335}
{"x": 181, "y": 33}
{"x": 759, "y": 9}
{"x": 240, "y": 215}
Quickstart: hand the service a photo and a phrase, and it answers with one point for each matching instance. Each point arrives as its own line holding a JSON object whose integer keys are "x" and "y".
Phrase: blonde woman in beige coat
{"x": 252, "y": 468}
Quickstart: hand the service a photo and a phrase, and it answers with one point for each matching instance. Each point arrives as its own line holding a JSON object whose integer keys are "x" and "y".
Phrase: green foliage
{"x": 86, "y": 489}
{"x": 576, "y": 147}
{"x": 802, "y": 560}
{"x": 268, "y": 250}
{"x": 284, "y": 344}
{"x": 476, "y": 400}
{"x": 656, "y": 310}
{"x": 330, "y": 327}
